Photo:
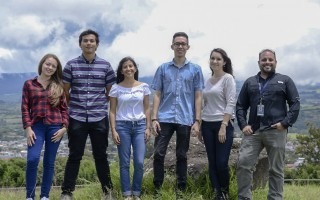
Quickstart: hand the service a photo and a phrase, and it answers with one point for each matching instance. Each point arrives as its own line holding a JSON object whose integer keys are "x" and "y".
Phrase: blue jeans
{"x": 43, "y": 133}
{"x": 218, "y": 154}
{"x": 131, "y": 133}
{"x": 77, "y": 134}
{"x": 160, "y": 149}
{"x": 251, "y": 145}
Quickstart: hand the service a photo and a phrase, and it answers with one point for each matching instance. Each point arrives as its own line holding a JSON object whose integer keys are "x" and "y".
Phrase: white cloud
{"x": 144, "y": 28}
{"x": 17, "y": 29}
{"x": 5, "y": 53}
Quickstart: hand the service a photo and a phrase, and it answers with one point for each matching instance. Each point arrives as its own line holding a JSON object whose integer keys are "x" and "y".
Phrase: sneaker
{"x": 225, "y": 196}
{"x": 157, "y": 194}
{"x": 136, "y": 198}
{"x": 243, "y": 198}
{"x": 108, "y": 196}
{"x": 127, "y": 198}
{"x": 66, "y": 196}
{"x": 179, "y": 195}
{"x": 44, "y": 198}
{"x": 219, "y": 197}
{"x": 29, "y": 198}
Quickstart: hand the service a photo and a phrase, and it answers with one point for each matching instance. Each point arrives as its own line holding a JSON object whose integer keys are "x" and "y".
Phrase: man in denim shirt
{"x": 177, "y": 100}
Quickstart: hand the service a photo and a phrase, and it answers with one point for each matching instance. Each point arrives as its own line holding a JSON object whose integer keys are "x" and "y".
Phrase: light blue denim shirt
{"x": 177, "y": 87}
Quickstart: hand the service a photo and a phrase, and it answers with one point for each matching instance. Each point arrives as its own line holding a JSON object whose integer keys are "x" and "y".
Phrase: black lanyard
{"x": 262, "y": 88}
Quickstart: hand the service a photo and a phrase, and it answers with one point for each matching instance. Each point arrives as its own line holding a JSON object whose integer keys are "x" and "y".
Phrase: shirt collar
{"x": 173, "y": 64}
{"x": 269, "y": 77}
{"x": 87, "y": 62}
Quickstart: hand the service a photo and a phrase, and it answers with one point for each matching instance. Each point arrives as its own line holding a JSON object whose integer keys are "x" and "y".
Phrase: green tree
{"x": 309, "y": 145}
{"x": 13, "y": 172}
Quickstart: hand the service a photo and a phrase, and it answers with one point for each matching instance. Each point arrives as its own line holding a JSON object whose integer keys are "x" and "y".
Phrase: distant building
{"x": 5, "y": 155}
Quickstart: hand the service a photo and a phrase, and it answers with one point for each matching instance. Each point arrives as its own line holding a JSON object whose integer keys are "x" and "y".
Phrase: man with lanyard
{"x": 87, "y": 82}
{"x": 267, "y": 95}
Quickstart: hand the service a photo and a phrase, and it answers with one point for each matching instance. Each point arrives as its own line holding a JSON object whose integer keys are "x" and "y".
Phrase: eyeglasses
{"x": 178, "y": 44}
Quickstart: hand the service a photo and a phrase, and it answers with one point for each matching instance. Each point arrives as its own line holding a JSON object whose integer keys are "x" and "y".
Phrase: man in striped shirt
{"x": 87, "y": 81}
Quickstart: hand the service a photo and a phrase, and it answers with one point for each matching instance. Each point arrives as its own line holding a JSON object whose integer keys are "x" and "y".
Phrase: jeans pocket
{"x": 141, "y": 122}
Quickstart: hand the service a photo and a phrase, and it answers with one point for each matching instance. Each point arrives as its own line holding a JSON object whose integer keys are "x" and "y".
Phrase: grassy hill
{"x": 93, "y": 192}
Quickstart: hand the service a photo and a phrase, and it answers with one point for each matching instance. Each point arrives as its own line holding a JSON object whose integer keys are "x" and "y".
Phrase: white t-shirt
{"x": 219, "y": 98}
{"x": 130, "y": 101}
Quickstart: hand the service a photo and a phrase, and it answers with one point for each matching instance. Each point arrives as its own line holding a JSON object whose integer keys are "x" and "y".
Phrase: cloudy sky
{"x": 143, "y": 29}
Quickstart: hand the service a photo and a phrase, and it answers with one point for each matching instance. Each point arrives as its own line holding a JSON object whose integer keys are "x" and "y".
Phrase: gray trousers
{"x": 274, "y": 141}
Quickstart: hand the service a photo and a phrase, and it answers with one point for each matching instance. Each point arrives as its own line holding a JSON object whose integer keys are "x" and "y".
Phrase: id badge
{"x": 260, "y": 110}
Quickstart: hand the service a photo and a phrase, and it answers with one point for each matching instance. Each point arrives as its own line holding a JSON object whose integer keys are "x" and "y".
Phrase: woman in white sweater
{"x": 217, "y": 129}
{"x": 130, "y": 124}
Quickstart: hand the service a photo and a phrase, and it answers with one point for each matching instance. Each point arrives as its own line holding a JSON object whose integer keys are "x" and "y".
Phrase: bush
{"x": 306, "y": 171}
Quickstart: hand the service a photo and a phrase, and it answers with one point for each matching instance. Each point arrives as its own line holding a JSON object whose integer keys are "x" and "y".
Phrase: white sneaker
{"x": 29, "y": 199}
{"x": 66, "y": 196}
{"x": 44, "y": 198}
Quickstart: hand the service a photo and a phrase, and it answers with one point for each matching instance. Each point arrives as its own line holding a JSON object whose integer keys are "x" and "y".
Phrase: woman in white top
{"x": 217, "y": 130}
{"x": 130, "y": 124}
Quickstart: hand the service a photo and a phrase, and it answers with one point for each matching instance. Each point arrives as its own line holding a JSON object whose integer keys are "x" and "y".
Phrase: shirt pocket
{"x": 169, "y": 84}
{"x": 98, "y": 78}
{"x": 274, "y": 90}
{"x": 79, "y": 78}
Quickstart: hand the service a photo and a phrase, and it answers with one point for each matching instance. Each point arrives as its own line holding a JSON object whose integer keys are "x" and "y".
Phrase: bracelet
{"x": 198, "y": 120}
{"x": 154, "y": 120}
{"x": 225, "y": 123}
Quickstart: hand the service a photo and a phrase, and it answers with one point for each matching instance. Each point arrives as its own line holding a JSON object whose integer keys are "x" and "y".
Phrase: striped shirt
{"x": 35, "y": 106}
{"x": 88, "y": 101}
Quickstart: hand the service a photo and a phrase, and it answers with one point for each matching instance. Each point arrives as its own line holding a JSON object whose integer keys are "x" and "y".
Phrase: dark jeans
{"x": 44, "y": 133}
{"x": 77, "y": 135}
{"x": 182, "y": 147}
{"x": 218, "y": 154}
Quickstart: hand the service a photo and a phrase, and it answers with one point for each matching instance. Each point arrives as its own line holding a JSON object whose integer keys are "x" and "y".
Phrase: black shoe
{"x": 156, "y": 193}
{"x": 107, "y": 193}
{"x": 179, "y": 194}
{"x": 66, "y": 196}
{"x": 243, "y": 198}
{"x": 225, "y": 196}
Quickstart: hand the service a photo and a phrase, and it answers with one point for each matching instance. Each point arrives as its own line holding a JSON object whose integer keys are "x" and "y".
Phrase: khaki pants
{"x": 274, "y": 141}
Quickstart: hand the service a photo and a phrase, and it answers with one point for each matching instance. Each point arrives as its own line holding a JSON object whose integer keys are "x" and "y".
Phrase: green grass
{"x": 197, "y": 190}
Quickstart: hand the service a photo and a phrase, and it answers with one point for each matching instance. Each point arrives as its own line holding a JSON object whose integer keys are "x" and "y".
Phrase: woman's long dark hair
{"x": 228, "y": 66}
{"x": 120, "y": 76}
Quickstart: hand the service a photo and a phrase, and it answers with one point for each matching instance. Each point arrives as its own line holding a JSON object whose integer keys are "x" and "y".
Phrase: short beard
{"x": 269, "y": 71}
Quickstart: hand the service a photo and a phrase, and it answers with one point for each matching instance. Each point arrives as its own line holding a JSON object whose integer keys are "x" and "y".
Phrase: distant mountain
{"x": 146, "y": 79}
{"x": 11, "y": 87}
{"x": 11, "y": 84}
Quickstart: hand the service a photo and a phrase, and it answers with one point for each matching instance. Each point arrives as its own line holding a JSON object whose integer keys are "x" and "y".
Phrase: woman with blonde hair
{"x": 45, "y": 120}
